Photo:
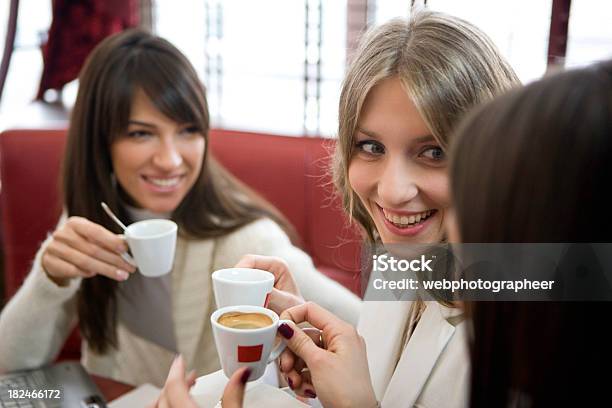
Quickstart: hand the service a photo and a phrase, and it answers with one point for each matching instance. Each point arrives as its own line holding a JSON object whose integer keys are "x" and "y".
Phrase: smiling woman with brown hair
{"x": 138, "y": 141}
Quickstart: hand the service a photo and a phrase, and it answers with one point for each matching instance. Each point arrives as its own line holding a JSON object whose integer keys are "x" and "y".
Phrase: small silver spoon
{"x": 108, "y": 211}
{"x": 126, "y": 257}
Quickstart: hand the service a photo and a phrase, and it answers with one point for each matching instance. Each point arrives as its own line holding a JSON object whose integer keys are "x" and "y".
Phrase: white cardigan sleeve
{"x": 265, "y": 237}
{"x": 35, "y": 323}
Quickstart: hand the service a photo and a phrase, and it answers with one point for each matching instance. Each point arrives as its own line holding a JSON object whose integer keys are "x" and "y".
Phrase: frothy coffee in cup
{"x": 244, "y": 321}
{"x": 245, "y": 335}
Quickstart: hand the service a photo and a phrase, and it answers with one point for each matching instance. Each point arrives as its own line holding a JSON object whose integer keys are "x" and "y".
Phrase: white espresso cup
{"x": 242, "y": 286}
{"x": 253, "y": 347}
{"x": 152, "y": 244}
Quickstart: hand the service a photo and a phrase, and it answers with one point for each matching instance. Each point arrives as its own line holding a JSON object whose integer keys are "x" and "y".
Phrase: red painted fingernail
{"x": 290, "y": 383}
{"x": 310, "y": 393}
{"x": 245, "y": 376}
{"x": 285, "y": 330}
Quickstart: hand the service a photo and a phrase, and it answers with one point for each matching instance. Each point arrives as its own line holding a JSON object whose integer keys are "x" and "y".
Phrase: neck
{"x": 140, "y": 214}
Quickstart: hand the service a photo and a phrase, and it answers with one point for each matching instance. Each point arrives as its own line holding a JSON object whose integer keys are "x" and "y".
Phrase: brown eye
{"x": 192, "y": 129}
{"x": 139, "y": 134}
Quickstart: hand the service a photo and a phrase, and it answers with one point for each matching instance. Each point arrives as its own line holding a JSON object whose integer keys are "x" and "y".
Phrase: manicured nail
{"x": 310, "y": 394}
{"x": 245, "y": 376}
{"x": 121, "y": 274}
{"x": 290, "y": 383}
{"x": 285, "y": 330}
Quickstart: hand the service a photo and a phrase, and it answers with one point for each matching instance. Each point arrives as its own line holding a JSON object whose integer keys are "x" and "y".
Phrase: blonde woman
{"x": 408, "y": 85}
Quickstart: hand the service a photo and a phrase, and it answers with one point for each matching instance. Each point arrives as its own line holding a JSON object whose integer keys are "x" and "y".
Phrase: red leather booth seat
{"x": 291, "y": 172}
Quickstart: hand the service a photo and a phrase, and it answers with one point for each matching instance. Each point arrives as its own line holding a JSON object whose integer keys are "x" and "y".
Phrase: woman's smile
{"x": 406, "y": 223}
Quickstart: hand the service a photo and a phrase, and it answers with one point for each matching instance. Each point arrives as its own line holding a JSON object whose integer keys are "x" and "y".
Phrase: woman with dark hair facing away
{"x": 138, "y": 141}
{"x": 537, "y": 165}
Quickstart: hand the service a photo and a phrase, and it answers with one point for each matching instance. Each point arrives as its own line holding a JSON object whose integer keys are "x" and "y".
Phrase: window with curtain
{"x": 519, "y": 28}
{"x": 26, "y": 63}
{"x": 269, "y": 65}
{"x": 276, "y": 66}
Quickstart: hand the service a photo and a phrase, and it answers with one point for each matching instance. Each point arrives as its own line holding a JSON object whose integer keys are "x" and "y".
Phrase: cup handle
{"x": 127, "y": 258}
{"x": 276, "y": 351}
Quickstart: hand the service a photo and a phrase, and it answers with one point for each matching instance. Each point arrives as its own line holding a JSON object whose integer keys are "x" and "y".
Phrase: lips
{"x": 398, "y": 222}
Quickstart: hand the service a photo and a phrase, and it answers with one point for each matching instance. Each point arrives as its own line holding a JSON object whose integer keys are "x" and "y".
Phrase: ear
{"x": 452, "y": 228}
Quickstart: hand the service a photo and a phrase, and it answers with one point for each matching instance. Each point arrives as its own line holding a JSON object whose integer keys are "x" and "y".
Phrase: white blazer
{"x": 432, "y": 370}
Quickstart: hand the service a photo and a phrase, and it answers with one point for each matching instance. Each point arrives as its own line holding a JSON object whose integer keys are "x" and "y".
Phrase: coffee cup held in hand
{"x": 244, "y": 336}
{"x": 152, "y": 244}
{"x": 242, "y": 286}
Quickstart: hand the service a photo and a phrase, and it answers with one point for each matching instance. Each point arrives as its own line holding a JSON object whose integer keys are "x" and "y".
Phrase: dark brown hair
{"x": 535, "y": 166}
{"x": 216, "y": 205}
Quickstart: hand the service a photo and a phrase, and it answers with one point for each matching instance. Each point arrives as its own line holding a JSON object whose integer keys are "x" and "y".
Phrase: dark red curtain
{"x": 77, "y": 27}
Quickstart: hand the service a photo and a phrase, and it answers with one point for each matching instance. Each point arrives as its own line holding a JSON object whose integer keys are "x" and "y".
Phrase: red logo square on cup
{"x": 249, "y": 354}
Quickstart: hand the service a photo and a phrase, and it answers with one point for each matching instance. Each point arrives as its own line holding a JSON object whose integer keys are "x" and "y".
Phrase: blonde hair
{"x": 445, "y": 64}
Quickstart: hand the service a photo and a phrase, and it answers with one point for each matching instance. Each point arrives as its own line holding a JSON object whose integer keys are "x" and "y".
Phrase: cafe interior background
{"x": 270, "y": 66}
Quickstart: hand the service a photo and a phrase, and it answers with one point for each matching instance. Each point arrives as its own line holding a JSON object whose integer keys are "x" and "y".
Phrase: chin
{"x": 158, "y": 206}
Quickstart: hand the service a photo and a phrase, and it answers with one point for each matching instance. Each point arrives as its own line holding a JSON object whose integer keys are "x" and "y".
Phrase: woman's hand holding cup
{"x": 81, "y": 248}
{"x": 337, "y": 370}
{"x": 285, "y": 293}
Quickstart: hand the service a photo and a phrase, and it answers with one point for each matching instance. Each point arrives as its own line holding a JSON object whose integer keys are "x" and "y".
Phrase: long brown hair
{"x": 446, "y": 66}
{"x": 535, "y": 166}
{"x": 216, "y": 205}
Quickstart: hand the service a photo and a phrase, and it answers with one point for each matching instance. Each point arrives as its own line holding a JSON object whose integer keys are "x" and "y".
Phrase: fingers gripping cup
{"x": 242, "y": 286}
{"x": 152, "y": 243}
{"x": 245, "y": 336}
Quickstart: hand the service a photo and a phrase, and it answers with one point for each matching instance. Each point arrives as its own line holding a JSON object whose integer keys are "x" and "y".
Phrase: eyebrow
{"x": 367, "y": 132}
{"x": 374, "y": 135}
{"x": 137, "y": 122}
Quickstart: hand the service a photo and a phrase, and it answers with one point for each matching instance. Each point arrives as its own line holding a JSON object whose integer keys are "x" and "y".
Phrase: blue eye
{"x": 370, "y": 147}
{"x": 434, "y": 153}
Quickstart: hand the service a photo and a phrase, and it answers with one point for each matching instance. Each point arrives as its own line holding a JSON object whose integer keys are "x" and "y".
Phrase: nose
{"x": 167, "y": 157}
{"x": 397, "y": 184}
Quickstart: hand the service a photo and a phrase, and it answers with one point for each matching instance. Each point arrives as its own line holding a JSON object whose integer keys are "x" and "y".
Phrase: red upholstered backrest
{"x": 291, "y": 172}
{"x": 29, "y": 170}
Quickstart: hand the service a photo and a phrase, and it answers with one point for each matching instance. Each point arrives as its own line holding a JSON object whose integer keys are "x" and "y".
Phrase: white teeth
{"x": 405, "y": 220}
{"x": 169, "y": 182}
